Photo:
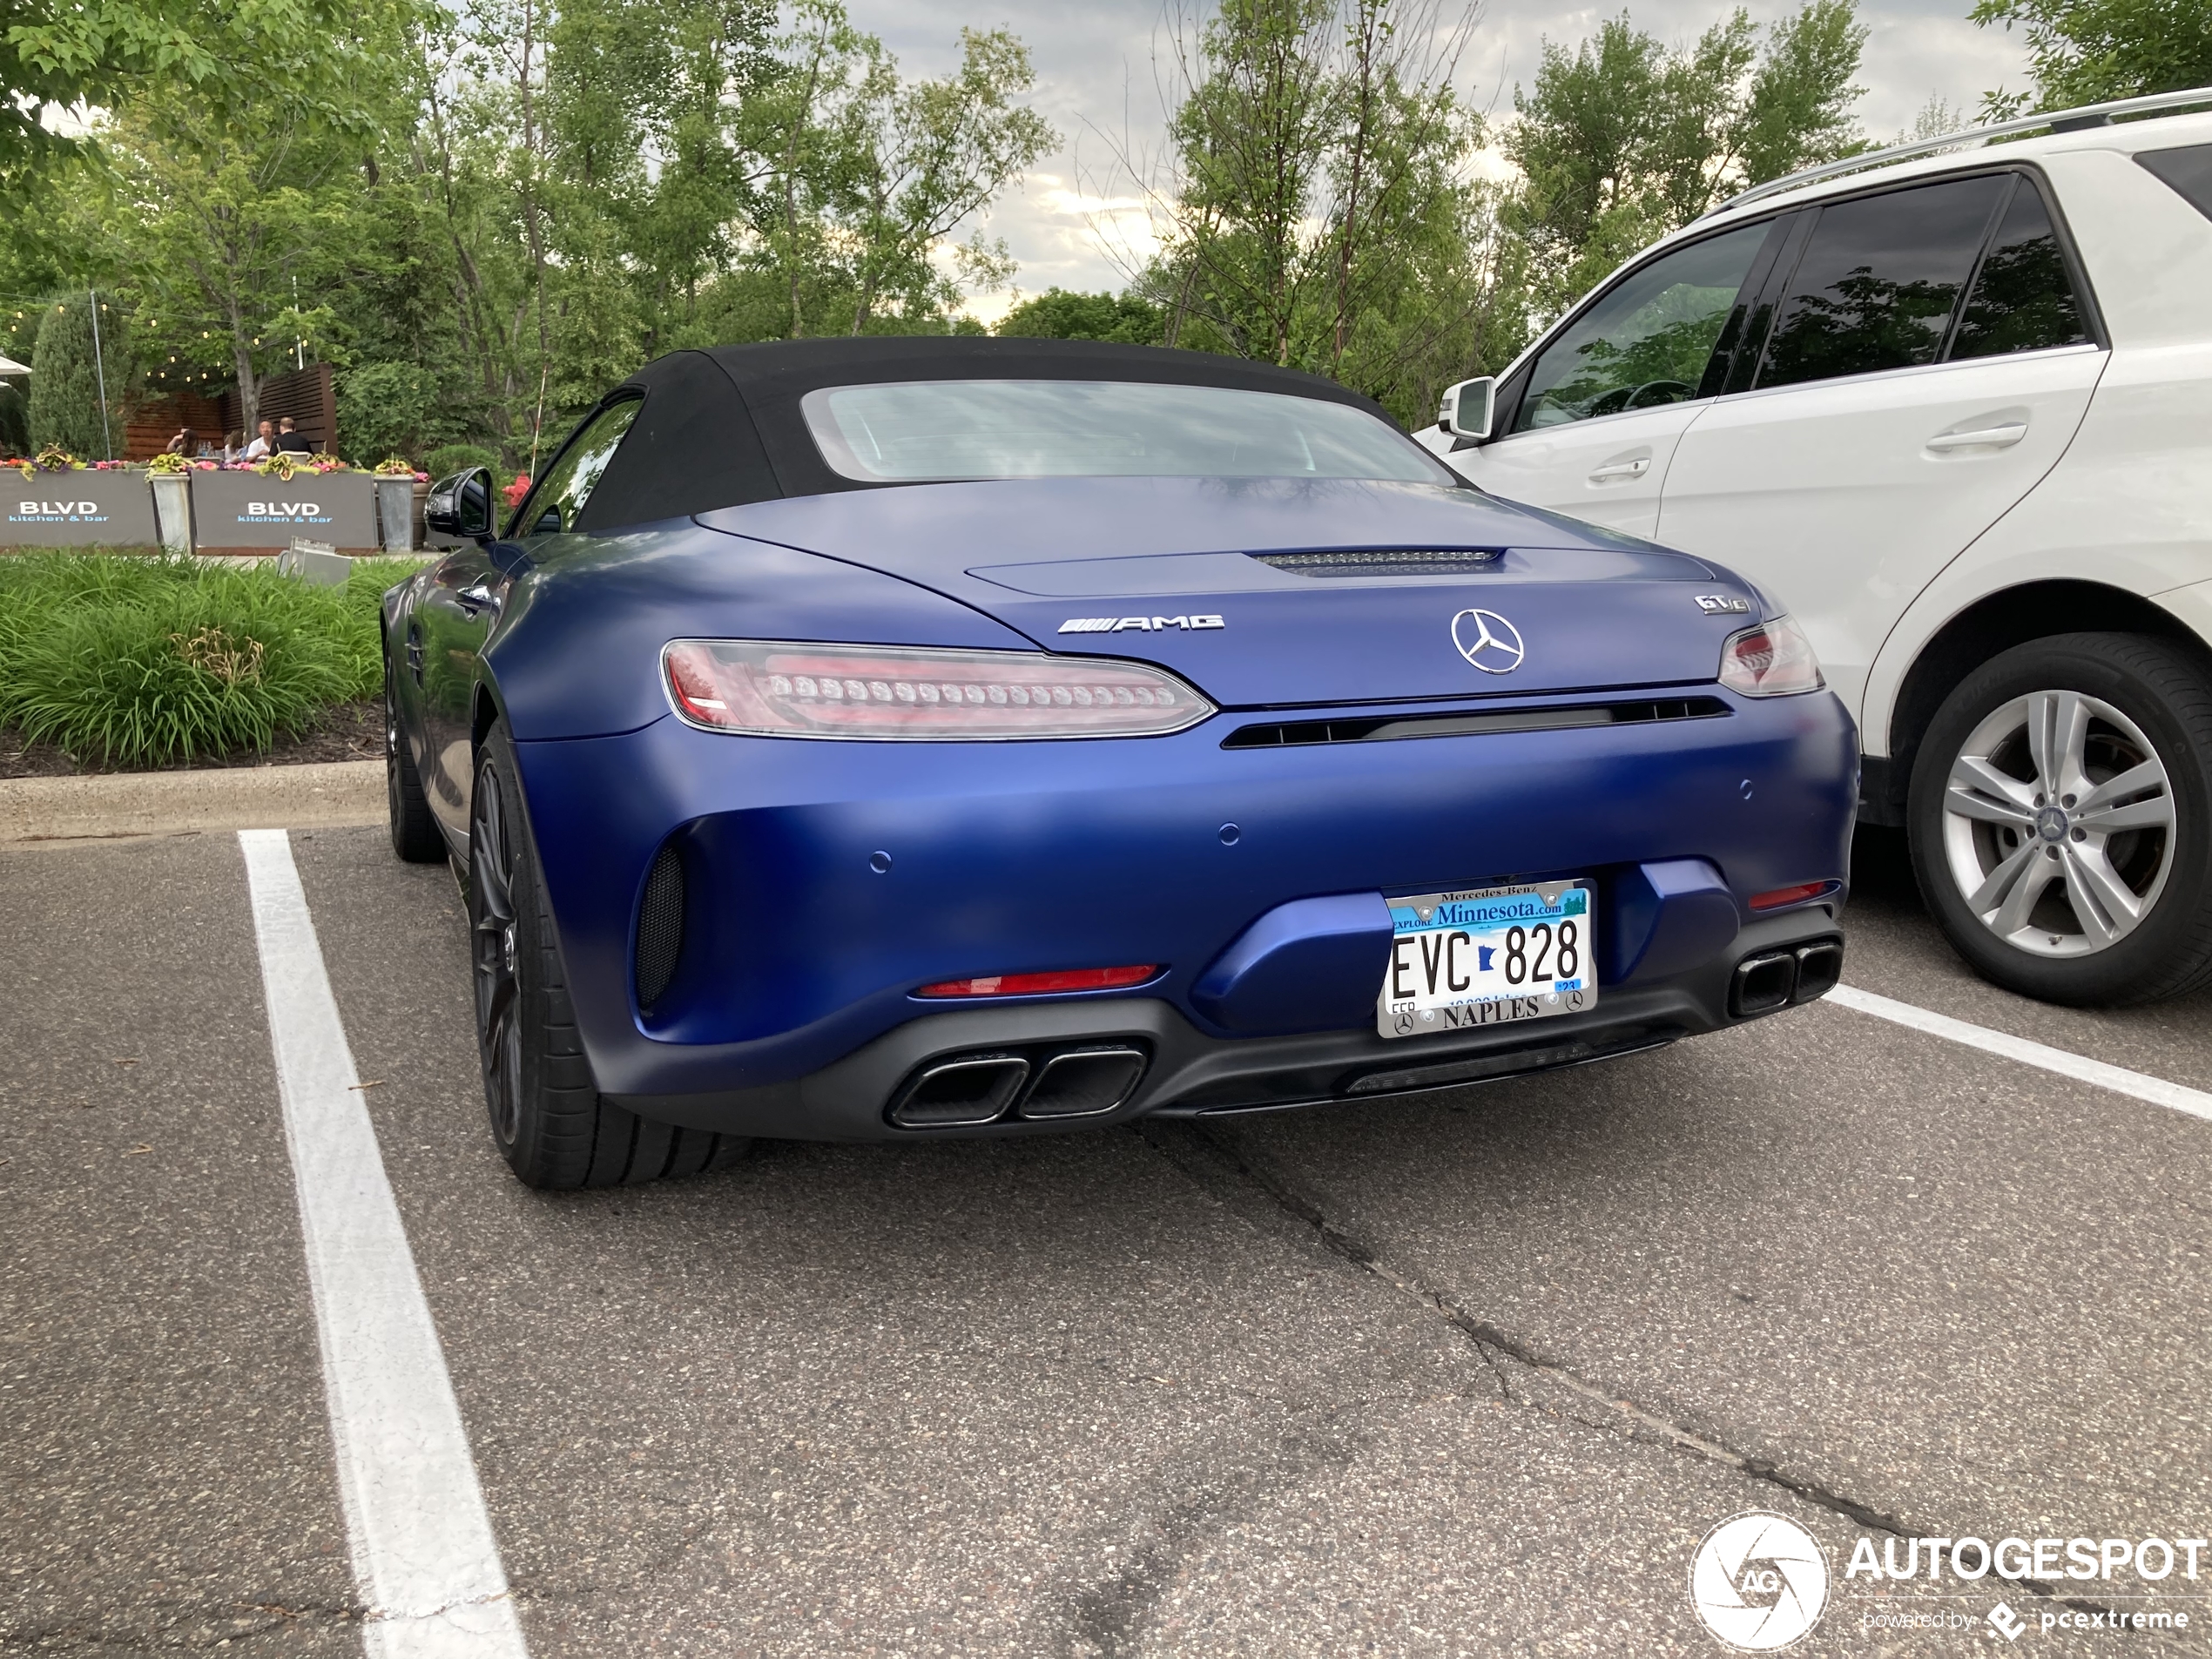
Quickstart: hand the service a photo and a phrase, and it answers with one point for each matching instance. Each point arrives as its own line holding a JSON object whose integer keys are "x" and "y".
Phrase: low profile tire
{"x": 415, "y": 832}
{"x": 547, "y": 1116}
{"x": 2061, "y": 817}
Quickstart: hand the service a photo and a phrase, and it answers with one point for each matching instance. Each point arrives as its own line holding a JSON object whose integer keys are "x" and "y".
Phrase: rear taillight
{"x": 764, "y": 688}
{"x": 1773, "y": 659}
{"x": 1076, "y": 979}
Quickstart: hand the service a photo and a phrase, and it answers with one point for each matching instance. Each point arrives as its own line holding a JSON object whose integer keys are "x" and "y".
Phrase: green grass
{"x": 134, "y": 662}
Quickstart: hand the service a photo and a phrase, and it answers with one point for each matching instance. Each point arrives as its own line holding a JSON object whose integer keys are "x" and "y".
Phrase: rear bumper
{"x": 826, "y": 881}
{"x": 1190, "y": 1074}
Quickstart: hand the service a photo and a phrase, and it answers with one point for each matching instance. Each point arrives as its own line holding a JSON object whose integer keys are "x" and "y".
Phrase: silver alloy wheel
{"x": 2058, "y": 824}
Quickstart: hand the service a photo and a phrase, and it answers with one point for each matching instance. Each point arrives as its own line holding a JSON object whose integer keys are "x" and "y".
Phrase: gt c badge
{"x": 1149, "y": 625}
{"x": 1489, "y": 641}
{"x": 1721, "y": 605}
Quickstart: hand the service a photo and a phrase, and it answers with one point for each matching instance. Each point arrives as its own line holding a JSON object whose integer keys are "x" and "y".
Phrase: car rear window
{"x": 943, "y": 431}
{"x": 2188, "y": 170}
{"x": 2022, "y": 299}
{"x": 1878, "y": 281}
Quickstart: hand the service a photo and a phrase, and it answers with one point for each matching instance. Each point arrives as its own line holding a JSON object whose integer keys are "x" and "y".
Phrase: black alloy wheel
{"x": 547, "y": 1117}
{"x": 415, "y": 837}
{"x": 492, "y": 951}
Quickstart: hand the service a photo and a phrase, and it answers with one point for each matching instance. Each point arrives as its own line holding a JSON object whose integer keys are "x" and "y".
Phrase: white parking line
{"x": 423, "y": 1553}
{"x": 2119, "y": 1079}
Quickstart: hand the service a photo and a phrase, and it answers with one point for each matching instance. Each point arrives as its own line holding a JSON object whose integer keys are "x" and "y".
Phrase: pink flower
{"x": 208, "y": 466}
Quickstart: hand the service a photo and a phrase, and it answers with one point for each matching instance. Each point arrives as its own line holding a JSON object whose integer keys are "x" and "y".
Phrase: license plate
{"x": 1488, "y": 956}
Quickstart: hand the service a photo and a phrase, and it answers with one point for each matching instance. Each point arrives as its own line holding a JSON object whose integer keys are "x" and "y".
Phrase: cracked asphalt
{"x": 1466, "y": 1374}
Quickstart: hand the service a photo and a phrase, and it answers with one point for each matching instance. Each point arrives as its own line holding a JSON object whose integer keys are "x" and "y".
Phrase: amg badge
{"x": 1149, "y": 625}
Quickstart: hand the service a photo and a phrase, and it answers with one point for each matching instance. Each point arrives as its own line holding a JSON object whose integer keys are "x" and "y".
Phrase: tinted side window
{"x": 1878, "y": 281}
{"x": 1646, "y": 341}
{"x": 559, "y": 495}
{"x": 2022, "y": 300}
{"x": 2188, "y": 170}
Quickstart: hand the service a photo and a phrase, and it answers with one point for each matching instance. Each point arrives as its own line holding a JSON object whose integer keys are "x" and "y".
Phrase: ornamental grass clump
{"x": 134, "y": 662}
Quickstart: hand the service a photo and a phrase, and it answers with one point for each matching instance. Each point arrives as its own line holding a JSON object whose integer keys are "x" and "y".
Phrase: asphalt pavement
{"x": 1471, "y": 1372}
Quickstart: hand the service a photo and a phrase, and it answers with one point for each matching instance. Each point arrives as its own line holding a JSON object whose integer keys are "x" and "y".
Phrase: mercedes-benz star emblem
{"x": 1489, "y": 641}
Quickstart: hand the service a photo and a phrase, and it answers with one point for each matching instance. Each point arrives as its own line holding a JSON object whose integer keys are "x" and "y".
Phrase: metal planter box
{"x": 246, "y": 510}
{"x": 85, "y": 509}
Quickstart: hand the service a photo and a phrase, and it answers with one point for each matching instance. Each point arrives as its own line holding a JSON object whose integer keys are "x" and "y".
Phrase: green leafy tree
{"x": 228, "y": 57}
{"x": 2090, "y": 51}
{"x": 934, "y": 155}
{"x": 226, "y": 228}
{"x": 67, "y": 378}
{"x": 1319, "y": 209}
{"x": 1059, "y": 314}
{"x": 1625, "y": 139}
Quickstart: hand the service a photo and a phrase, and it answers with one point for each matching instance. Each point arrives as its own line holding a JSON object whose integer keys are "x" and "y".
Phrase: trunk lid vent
{"x": 1374, "y": 561}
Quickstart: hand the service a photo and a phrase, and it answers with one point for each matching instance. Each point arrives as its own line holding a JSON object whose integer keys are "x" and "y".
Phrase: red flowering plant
{"x": 515, "y": 491}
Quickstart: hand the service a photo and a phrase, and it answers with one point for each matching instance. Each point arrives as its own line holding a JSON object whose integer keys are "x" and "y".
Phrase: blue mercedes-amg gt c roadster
{"x": 870, "y": 738}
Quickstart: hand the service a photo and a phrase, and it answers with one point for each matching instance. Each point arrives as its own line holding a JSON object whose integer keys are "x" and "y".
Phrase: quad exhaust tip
{"x": 963, "y": 1090}
{"x": 1779, "y": 978}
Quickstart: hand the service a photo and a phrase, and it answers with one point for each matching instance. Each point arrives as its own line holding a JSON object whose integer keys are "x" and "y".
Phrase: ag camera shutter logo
{"x": 1759, "y": 1581}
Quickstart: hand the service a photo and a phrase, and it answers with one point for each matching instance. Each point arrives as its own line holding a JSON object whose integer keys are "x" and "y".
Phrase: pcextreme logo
{"x": 1759, "y": 1581}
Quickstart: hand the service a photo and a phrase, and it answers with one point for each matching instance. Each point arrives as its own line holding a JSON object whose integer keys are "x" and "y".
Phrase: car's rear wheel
{"x": 2062, "y": 819}
{"x": 547, "y": 1116}
{"x": 415, "y": 832}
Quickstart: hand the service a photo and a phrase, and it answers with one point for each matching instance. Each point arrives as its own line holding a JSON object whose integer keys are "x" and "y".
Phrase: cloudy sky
{"x": 1097, "y": 83}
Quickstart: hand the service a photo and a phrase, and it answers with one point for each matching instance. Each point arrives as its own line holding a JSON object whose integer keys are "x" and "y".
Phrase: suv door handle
{"x": 1988, "y": 437}
{"x": 1612, "y": 470}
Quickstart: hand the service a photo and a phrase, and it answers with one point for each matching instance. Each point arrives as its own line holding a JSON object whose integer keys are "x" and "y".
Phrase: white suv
{"x": 1953, "y": 411}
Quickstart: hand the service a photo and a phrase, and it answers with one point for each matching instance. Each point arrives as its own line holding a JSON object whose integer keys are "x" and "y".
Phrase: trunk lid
{"x": 1192, "y": 573}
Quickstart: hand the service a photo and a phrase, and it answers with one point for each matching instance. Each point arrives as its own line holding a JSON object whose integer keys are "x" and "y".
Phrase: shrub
{"x": 444, "y": 462}
{"x": 393, "y": 409}
{"x": 139, "y": 662}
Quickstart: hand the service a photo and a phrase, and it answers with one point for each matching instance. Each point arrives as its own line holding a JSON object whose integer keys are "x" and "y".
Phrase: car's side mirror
{"x": 1467, "y": 408}
{"x": 459, "y": 505}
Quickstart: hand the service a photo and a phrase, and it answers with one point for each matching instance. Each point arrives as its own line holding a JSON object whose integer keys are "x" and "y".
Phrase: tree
{"x": 1058, "y": 314}
{"x": 226, "y": 56}
{"x": 1316, "y": 206}
{"x": 1626, "y": 140}
{"x": 70, "y": 385}
{"x": 934, "y": 154}
{"x": 2090, "y": 51}
{"x": 228, "y": 227}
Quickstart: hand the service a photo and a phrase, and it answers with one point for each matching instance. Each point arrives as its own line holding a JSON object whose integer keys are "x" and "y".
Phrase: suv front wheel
{"x": 2061, "y": 817}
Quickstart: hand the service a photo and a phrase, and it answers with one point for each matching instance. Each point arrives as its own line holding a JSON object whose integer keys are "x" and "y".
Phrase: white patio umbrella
{"x": 10, "y": 366}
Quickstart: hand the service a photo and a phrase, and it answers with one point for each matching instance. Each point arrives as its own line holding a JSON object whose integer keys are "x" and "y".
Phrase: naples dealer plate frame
{"x": 1456, "y": 964}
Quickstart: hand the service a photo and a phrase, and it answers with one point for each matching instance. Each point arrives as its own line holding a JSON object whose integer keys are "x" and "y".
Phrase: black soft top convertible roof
{"x": 721, "y": 426}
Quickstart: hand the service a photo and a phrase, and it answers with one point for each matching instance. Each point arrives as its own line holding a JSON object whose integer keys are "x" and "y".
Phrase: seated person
{"x": 292, "y": 442}
{"x": 263, "y": 442}
{"x": 182, "y": 444}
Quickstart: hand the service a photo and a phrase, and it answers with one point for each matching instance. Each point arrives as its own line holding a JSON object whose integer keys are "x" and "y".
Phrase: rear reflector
{"x": 1781, "y": 896}
{"x": 1076, "y": 979}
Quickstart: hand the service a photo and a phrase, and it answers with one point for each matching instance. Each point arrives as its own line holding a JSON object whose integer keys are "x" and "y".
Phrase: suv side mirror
{"x": 1467, "y": 408}
{"x": 459, "y": 505}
